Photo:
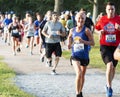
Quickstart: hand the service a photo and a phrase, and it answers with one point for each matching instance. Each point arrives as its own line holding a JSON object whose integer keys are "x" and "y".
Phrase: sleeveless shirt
{"x": 80, "y": 50}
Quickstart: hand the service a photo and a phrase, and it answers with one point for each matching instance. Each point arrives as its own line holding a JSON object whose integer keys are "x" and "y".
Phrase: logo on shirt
{"x": 110, "y": 28}
{"x": 77, "y": 45}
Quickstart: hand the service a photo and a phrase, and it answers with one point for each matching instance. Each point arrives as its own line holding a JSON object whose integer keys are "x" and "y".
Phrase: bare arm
{"x": 26, "y": 28}
{"x": 69, "y": 39}
{"x": 9, "y": 26}
{"x": 45, "y": 34}
{"x": 117, "y": 53}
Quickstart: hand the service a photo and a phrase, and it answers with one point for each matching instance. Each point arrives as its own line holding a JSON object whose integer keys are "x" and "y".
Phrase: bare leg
{"x": 56, "y": 63}
{"x": 77, "y": 68}
{"x": 110, "y": 72}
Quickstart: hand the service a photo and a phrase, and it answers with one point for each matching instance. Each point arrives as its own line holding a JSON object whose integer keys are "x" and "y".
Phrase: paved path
{"x": 33, "y": 77}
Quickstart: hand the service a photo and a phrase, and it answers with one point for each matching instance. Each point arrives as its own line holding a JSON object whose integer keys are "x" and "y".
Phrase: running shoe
{"x": 48, "y": 63}
{"x": 31, "y": 53}
{"x": 26, "y": 46}
{"x": 18, "y": 50}
{"x": 5, "y": 40}
{"x": 109, "y": 92}
{"x": 8, "y": 44}
{"x": 53, "y": 72}
{"x": 34, "y": 45}
{"x": 14, "y": 53}
{"x": 42, "y": 59}
{"x": 79, "y": 95}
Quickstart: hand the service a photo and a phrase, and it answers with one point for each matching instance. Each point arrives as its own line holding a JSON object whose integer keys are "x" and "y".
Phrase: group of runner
{"x": 51, "y": 32}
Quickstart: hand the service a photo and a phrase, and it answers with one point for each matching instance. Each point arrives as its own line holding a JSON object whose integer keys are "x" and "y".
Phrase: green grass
{"x": 7, "y": 86}
{"x": 95, "y": 57}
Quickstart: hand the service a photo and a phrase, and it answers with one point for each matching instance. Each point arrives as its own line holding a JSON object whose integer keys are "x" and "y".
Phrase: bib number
{"x": 110, "y": 38}
{"x": 15, "y": 31}
{"x": 78, "y": 47}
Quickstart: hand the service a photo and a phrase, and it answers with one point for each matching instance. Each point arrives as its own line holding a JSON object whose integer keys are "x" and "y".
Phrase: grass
{"x": 7, "y": 86}
{"x": 95, "y": 57}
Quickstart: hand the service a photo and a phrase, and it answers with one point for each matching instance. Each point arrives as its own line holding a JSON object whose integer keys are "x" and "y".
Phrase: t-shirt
{"x": 36, "y": 23}
{"x": 89, "y": 22}
{"x": 30, "y": 30}
{"x": 51, "y": 28}
{"x": 111, "y": 36}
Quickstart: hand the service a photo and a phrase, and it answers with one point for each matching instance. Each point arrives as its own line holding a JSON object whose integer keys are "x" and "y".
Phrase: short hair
{"x": 54, "y": 12}
{"x": 81, "y": 14}
{"x": 110, "y": 3}
{"x": 82, "y": 9}
{"x": 37, "y": 13}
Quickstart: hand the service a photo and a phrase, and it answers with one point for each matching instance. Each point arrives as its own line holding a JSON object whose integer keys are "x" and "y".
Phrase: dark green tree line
{"x": 21, "y": 6}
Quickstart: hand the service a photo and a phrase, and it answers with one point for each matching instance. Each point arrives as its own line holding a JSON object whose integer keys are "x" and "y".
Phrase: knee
{"x": 110, "y": 66}
{"x": 78, "y": 74}
{"x": 57, "y": 59}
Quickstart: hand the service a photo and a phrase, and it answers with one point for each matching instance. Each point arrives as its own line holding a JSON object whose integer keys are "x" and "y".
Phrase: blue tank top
{"x": 79, "y": 50}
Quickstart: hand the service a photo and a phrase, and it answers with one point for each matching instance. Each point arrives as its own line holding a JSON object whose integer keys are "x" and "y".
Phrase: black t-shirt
{"x": 89, "y": 22}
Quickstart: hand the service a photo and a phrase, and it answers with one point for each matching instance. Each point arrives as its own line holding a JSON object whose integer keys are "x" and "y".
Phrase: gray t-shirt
{"x": 51, "y": 28}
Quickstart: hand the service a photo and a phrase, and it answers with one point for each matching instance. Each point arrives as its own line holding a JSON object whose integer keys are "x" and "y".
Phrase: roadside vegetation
{"x": 7, "y": 86}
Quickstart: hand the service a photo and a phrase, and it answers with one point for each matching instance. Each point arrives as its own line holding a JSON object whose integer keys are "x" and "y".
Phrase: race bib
{"x": 54, "y": 35}
{"x": 31, "y": 30}
{"x": 78, "y": 47}
{"x": 15, "y": 31}
{"x": 6, "y": 28}
{"x": 110, "y": 38}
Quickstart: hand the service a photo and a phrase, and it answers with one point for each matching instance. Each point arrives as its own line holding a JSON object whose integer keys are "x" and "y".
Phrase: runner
{"x": 14, "y": 28}
{"x": 79, "y": 38}
{"x": 52, "y": 32}
{"x": 47, "y": 17}
{"x": 30, "y": 29}
{"x": 108, "y": 27}
{"x": 37, "y": 23}
{"x": 6, "y": 22}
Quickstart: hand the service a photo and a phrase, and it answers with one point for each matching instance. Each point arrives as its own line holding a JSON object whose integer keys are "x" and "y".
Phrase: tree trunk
{"x": 58, "y": 6}
{"x": 95, "y": 10}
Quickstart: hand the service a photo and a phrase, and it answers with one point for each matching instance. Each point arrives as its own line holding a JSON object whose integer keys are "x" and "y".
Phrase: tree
{"x": 95, "y": 9}
{"x": 58, "y": 6}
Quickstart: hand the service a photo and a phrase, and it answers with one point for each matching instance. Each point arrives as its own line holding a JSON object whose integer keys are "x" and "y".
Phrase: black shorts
{"x": 53, "y": 47}
{"x": 16, "y": 35}
{"x": 29, "y": 36}
{"x": 84, "y": 62}
{"x": 107, "y": 54}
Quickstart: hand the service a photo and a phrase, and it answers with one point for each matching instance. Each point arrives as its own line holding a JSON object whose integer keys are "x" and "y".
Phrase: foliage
{"x": 86, "y": 5}
{"x": 7, "y": 87}
{"x": 21, "y": 6}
